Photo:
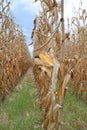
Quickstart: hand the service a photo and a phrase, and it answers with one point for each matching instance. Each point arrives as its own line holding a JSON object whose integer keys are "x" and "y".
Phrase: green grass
{"x": 21, "y": 112}
{"x": 74, "y": 113}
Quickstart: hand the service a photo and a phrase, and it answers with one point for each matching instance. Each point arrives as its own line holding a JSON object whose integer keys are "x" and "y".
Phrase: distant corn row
{"x": 77, "y": 61}
{"x": 14, "y": 55}
{"x": 75, "y": 53}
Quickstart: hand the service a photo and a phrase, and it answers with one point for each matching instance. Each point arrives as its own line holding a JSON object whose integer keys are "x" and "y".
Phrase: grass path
{"x": 20, "y": 111}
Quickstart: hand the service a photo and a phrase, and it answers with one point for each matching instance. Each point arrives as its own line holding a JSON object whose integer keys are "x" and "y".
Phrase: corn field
{"x": 58, "y": 58}
{"x": 14, "y": 55}
{"x": 59, "y": 62}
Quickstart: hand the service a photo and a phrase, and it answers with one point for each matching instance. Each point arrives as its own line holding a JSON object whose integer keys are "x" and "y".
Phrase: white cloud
{"x": 69, "y": 4}
{"x": 32, "y": 6}
{"x": 69, "y": 7}
{"x": 84, "y": 4}
{"x": 28, "y": 5}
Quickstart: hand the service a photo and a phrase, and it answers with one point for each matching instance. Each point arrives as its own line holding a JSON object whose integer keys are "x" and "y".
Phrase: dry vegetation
{"x": 47, "y": 34}
{"x": 70, "y": 59}
{"x": 75, "y": 53}
{"x": 14, "y": 55}
{"x": 58, "y": 57}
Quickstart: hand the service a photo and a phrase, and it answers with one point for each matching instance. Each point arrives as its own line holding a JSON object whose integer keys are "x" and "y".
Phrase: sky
{"x": 25, "y": 11}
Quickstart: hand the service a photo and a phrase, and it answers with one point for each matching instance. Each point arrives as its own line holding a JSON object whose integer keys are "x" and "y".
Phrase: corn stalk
{"x": 62, "y": 17}
{"x": 46, "y": 39}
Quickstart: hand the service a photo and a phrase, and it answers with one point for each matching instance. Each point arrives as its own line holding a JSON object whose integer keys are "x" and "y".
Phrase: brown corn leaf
{"x": 62, "y": 69}
{"x": 60, "y": 91}
{"x": 51, "y": 126}
{"x": 65, "y": 82}
{"x": 37, "y": 61}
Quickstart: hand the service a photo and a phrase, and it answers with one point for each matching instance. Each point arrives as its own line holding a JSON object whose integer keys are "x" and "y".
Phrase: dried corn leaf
{"x": 37, "y": 61}
{"x": 46, "y": 70}
{"x": 56, "y": 107}
{"x": 62, "y": 69}
{"x": 49, "y": 114}
{"x": 60, "y": 92}
{"x": 48, "y": 100}
{"x": 66, "y": 80}
{"x": 45, "y": 123}
{"x": 51, "y": 126}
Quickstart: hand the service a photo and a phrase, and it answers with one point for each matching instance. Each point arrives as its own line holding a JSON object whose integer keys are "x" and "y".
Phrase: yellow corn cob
{"x": 46, "y": 58}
